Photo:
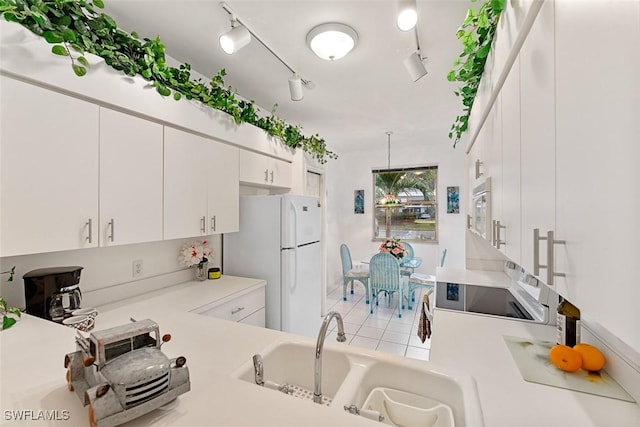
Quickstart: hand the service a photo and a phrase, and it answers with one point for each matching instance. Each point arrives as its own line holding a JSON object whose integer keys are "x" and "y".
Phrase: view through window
{"x": 406, "y": 204}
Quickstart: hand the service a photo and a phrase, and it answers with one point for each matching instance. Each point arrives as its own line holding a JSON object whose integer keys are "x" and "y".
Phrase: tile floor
{"x": 383, "y": 330}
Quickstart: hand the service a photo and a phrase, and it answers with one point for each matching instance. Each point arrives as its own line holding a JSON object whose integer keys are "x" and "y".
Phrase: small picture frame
{"x": 453, "y": 199}
{"x": 358, "y": 201}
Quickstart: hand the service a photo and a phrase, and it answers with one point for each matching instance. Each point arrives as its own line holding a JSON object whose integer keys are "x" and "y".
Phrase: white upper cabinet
{"x": 537, "y": 110}
{"x": 509, "y": 226}
{"x": 130, "y": 179}
{"x": 597, "y": 160}
{"x": 186, "y": 181}
{"x": 48, "y": 170}
{"x": 201, "y": 192}
{"x": 224, "y": 190}
{"x": 264, "y": 171}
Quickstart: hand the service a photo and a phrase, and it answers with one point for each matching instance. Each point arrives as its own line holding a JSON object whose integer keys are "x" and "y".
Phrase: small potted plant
{"x": 196, "y": 253}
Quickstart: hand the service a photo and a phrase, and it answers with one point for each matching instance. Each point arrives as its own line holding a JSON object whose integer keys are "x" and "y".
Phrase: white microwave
{"x": 480, "y": 218}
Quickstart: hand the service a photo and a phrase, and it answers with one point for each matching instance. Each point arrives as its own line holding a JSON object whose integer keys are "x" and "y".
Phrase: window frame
{"x": 434, "y": 202}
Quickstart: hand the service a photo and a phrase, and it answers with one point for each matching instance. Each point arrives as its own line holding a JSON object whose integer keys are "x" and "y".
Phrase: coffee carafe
{"x": 52, "y": 293}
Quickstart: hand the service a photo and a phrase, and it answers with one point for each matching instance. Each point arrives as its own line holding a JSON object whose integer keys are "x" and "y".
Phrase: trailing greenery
{"x": 476, "y": 34}
{"x": 9, "y": 314}
{"x": 76, "y": 27}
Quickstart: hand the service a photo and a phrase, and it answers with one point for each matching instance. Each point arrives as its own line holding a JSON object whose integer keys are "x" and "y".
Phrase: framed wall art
{"x": 358, "y": 201}
{"x": 453, "y": 199}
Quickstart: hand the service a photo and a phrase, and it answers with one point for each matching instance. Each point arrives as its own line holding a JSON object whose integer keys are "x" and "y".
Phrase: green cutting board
{"x": 532, "y": 359}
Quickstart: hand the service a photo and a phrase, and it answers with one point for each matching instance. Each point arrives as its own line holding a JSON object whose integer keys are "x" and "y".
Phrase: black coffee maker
{"x": 52, "y": 293}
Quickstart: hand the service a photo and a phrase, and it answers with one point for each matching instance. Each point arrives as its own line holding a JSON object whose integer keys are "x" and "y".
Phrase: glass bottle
{"x": 568, "y": 323}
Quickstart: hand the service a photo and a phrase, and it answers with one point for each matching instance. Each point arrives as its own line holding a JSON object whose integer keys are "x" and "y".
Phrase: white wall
{"x": 108, "y": 272}
{"x": 352, "y": 171}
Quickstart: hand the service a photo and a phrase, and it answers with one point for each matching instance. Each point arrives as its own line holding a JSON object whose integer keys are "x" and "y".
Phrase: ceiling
{"x": 356, "y": 99}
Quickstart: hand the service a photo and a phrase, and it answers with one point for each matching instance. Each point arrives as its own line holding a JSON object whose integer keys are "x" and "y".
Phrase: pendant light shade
{"x": 295, "y": 88}
{"x": 407, "y": 15}
{"x": 332, "y": 41}
{"x": 415, "y": 66}
{"x": 235, "y": 39}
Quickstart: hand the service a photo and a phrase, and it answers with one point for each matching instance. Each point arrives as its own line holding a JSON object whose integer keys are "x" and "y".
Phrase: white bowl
{"x": 91, "y": 312}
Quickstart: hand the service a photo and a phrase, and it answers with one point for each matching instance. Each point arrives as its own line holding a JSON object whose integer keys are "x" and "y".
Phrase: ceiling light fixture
{"x": 235, "y": 39}
{"x": 414, "y": 62}
{"x": 407, "y": 15}
{"x": 332, "y": 41}
{"x": 240, "y": 35}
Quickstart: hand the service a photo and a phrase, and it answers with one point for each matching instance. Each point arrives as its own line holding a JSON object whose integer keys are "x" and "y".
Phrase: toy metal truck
{"x": 122, "y": 374}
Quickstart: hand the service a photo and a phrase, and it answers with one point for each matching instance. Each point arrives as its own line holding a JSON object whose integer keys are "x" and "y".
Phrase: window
{"x": 405, "y": 204}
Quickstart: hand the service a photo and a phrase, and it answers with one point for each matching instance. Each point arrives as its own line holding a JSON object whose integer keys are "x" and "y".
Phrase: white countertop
{"x": 32, "y": 372}
{"x": 475, "y": 343}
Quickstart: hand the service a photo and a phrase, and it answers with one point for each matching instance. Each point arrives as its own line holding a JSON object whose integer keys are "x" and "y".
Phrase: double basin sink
{"x": 403, "y": 391}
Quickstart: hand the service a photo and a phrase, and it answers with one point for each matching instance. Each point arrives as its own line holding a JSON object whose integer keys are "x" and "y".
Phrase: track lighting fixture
{"x": 240, "y": 35}
{"x": 407, "y": 14}
{"x": 235, "y": 39}
{"x": 414, "y": 62}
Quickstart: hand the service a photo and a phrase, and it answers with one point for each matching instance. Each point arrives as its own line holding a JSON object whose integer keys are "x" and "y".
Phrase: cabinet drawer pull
{"x": 213, "y": 223}
{"x": 202, "y": 225}
{"x": 478, "y": 173}
{"x": 266, "y": 175}
{"x": 271, "y": 176}
{"x": 237, "y": 310}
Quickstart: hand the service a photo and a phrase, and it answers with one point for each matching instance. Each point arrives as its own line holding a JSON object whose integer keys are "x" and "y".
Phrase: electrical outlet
{"x": 137, "y": 268}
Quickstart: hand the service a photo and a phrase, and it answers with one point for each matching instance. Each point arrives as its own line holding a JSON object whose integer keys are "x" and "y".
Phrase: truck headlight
{"x": 180, "y": 361}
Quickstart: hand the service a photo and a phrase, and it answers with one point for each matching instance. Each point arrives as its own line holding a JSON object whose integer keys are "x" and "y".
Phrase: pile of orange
{"x": 582, "y": 355}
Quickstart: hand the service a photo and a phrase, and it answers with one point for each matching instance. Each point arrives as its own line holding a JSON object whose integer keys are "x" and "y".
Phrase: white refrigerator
{"x": 279, "y": 241}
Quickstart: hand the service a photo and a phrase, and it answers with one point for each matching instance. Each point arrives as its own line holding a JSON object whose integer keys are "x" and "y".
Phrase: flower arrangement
{"x": 393, "y": 247}
{"x": 194, "y": 253}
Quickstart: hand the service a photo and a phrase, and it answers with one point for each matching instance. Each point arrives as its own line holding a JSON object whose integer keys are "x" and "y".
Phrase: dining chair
{"x": 427, "y": 281}
{"x": 409, "y": 262}
{"x": 384, "y": 276}
{"x": 350, "y": 274}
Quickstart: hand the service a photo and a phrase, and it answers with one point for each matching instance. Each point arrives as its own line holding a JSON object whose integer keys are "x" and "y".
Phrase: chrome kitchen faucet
{"x": 317, "y": 375}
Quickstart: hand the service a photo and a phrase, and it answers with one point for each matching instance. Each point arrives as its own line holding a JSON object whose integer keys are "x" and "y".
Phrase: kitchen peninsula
{"x": 32, "y": 372}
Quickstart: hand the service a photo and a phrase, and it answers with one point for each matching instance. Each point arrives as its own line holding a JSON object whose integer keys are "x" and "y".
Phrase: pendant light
{"x": 389, "y": 198}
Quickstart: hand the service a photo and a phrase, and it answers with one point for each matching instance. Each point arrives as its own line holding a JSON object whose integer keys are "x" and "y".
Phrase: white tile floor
{"x": 383, "y": 330}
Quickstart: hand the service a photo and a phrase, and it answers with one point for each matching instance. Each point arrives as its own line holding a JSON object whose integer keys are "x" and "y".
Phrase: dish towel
{"x": 424, "y": 327}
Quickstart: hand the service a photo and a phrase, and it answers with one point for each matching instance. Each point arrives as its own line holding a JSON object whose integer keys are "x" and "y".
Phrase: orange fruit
{"x": 592, "y": 357}
{"x": 565, "y": 358}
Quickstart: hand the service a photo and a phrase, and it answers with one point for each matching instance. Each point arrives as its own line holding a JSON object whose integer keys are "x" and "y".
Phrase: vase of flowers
{"x": 393, "y": 247}
{"x": 196, "y": 254}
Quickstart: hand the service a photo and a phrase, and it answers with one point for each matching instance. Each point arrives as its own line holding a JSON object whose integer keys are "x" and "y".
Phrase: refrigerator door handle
{"x": 292, "y": 208}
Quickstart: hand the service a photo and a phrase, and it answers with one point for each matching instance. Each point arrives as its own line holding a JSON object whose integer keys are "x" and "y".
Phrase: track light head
{"x": 415, "y": 66}
{"x": 295, "y": 88}
{"x": 235, "y": 39}
{"x": 407, "y": 15}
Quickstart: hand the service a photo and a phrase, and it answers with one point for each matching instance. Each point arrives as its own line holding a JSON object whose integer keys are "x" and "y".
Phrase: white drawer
{"x": 255, "y": 319}
{"x": 238, "y": 308}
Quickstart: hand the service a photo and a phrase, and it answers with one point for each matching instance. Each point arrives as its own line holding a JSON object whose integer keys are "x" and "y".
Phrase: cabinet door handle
{"x": 89, "y": 224}
{"x": 469, "y": 221}
{"x": 112, "y": 227}
{"x": 203, "y": 228}
{"x": 271, "y": 176}
{"x": 497, "y": 240}
{"x": 551, "y": 241}
{"x": 266, "y": 175}
{"x": 478, "y": 173}
{"x": 213, "y": 223}
{"x": 237, "y": 310}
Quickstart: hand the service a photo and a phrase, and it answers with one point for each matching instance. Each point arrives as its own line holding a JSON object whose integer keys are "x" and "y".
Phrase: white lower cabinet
{"x": 48, "y": 170}
{"x": 264, "y": 171}
{"x": 247, "y": 308}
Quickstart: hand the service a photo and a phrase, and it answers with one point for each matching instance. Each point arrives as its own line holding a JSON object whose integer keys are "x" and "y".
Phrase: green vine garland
{"x": 476, "y": 34}
{"x": 76, "y": 27}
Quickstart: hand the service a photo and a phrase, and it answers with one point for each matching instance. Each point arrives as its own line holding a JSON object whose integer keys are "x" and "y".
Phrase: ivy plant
{"x": 76, "y": 27}
{"x": 9, "y": 314}
{"x": 476, "y": 34}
